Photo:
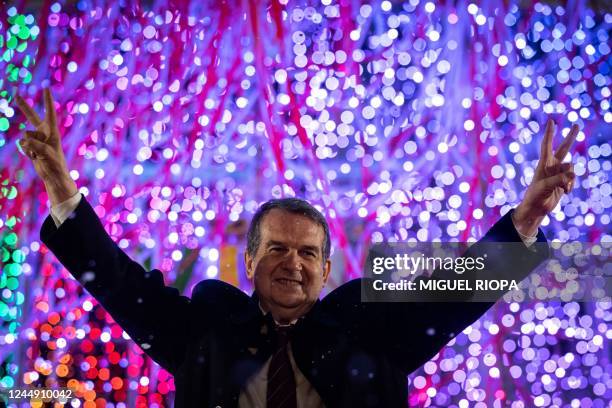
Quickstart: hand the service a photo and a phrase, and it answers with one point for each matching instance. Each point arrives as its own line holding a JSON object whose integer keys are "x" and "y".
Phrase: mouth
{"x": 288, "y": 282}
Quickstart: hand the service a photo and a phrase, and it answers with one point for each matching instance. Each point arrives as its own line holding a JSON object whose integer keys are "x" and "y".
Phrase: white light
{"x": 213, "y": 254}
{"x": 212, "y": 271}
{"x": 117, "y": 191}
{"x": 102, "y": 154}
{"x": 177, "y": 255}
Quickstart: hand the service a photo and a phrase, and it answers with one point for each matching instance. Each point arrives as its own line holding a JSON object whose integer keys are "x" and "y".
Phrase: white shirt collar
{"x": 277, "y": 323}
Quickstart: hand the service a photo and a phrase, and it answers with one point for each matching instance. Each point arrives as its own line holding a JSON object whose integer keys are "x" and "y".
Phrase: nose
{"x": 292, "y": 261}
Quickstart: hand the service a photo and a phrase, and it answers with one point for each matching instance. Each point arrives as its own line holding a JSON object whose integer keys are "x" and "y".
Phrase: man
{"x": 281, "y": 347}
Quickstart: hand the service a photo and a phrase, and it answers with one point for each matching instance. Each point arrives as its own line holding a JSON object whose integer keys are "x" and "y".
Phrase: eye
{"x": 310, "y": 254}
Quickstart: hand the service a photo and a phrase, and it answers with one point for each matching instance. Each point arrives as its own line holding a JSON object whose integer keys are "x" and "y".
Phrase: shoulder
{"x": 219, "y": 293}
{"x": 347, "y": 292}
{"x": 346, "y": 299}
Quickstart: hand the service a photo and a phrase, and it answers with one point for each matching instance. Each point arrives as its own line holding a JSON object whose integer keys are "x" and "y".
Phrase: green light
{"x": 11, "y": 222}
{"x": 6, "y": 255}
{"x": 12, "y": 42}
{"x": 18, "y": 256}
{"x": 24, "y": 33}
{"x": 7, "y": 382}
{"x": 13, "y": 329}
{"x": 13, "y": 75}
{"x": 4, "y": 124}
{"x": 10, "y": 239}
{"x": 12, "y": 283}
{"x": 13, "y": 269}
{"x": 3, "y": 309}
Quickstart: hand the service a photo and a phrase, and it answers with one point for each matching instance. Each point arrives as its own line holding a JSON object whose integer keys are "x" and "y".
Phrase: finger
{"x": 565, "y": 167}
{"x": 570, "y": 185}
{"x": 572, "y": 181}
{"x": 567, "y": 143}
{"x": 37, "y": 135}
{"x": 546, "y": 148}
{"x": 22, "y": 145}
{"x": 27, "y": 110}
{"x": 559, "y": 180}
{"x": 37, "y": 146}
{"x": 50, "y": 114}
{"x": 27, "y": 150}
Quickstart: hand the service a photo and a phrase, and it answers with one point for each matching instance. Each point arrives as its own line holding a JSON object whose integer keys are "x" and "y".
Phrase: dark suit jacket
{"x": 354, "y": 354}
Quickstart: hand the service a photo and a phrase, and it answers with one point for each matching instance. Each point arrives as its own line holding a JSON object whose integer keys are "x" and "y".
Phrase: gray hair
{"x": 294, "y": 206}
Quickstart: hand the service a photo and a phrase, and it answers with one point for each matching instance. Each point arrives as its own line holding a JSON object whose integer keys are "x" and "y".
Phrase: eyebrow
{"x": 304, "y": 247}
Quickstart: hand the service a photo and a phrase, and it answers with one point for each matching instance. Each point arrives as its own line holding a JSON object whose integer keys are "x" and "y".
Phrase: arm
{"x": 154, "y": 315}
{"x": 429, "y": 326}
{"x": 412, "y": 333}
{"x": 434, "y": 324}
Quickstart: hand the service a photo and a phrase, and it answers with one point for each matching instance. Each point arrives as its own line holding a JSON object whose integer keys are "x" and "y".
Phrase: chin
{"x": 289, "y": 299}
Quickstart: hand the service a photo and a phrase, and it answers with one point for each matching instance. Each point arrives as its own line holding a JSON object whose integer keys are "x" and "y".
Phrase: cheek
{"x": 315, "y": 278}
{"x": 264, "y": 269}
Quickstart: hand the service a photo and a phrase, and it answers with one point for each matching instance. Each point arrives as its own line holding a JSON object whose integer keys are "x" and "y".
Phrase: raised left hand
{"x": 551, "y": 180}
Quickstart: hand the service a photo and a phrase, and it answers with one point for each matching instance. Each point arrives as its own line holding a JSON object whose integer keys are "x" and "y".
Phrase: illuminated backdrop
{"x": 400, "y": 120}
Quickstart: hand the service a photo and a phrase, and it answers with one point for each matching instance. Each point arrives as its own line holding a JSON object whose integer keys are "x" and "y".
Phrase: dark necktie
{"x": 281, "y": 381}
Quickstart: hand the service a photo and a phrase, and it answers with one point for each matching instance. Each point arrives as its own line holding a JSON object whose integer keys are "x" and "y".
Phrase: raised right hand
{"x": 44, "y": 147}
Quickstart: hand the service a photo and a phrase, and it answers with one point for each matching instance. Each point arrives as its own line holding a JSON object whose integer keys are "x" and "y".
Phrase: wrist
{"x": 526, "y": 222}
{"x": 60, "y": 190}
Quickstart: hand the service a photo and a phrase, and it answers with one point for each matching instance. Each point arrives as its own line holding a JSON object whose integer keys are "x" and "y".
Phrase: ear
{"x": 249, "y": 262}
{"x": 326, "y": 271}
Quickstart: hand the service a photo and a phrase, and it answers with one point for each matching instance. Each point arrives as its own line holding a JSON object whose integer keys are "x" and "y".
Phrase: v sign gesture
{"x": 551, "y": 180}
{"x": 43, "y": 146}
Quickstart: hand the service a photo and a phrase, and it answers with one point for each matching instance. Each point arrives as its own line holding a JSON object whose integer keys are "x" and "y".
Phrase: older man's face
{"x": 288, "y": 268}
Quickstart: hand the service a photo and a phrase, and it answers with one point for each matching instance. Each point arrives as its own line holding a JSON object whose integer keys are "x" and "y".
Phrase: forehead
{"x": 284, "y": 226}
